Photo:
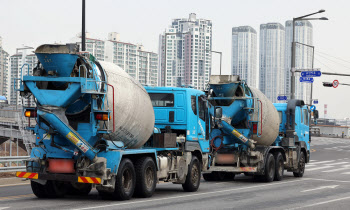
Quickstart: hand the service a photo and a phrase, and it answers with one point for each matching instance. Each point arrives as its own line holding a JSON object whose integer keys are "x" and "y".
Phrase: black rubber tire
{"x": 51, "y": 189}
{"x": 230, "y": 176}
{"x": 219, "y": 176}
{"x": 146, "y": 177}
{"x": 38, "y": 189}
{"x": 125, "y": 181}
{"x": 209, "y": 177}
{"x": 301, "y": 166}
{"x": 79, "y": 189}
{"x": 193, "y": 178}
{"x": 269, "y": 168}
{"x": 279, "y": 170}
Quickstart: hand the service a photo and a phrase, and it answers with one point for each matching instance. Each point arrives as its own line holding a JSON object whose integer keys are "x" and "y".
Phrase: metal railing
{"x": 10, "y": 159}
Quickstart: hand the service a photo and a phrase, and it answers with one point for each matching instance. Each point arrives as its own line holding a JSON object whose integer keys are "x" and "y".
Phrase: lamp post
{"x": 292, "y": 95}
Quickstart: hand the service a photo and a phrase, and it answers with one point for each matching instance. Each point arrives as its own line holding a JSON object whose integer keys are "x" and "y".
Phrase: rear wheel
{"x": 279, "y": 170}
{"x": 301, "y": 166}
{"x": 51, "y": 189}
{"x": 125, "y": 181}
{"x": 79, "y": 189}
{"x": 146, "y": 177}
{"x": 209, "y": 177}
{"x": 269, "y": 168}
{"x": 193, "y": 177}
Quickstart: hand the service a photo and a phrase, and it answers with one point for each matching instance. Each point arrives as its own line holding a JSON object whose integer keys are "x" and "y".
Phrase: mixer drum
{"x": 134, "y": 115}
{"x": 270, "y": 119}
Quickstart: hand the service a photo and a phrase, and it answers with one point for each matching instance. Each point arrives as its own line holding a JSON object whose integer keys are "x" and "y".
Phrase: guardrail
{"x": 13, "y": 159}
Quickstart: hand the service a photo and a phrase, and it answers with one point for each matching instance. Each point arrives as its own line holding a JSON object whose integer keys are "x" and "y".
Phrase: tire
{"x": 279, "y": 170}
{"x": 269, "y": 168}
{"x": 125, "y": 181}
{"x": 38, "y": 189}
{"x": 230, "y": 176}
{"x": 146, "y": 177}
{"x": 193, "y": 178}
{"x": 79, "y": 189}
{"x": 209, "y": 177}
{"x": 301, "y": 166}
{"x": 51, "y": 189}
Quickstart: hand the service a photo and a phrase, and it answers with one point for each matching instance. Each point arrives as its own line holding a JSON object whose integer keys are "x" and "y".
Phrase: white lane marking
{"x": 329, "y": 180}
{"x": 1, "y": 208}
{"x": 7, "y": 185}
{"x": 321, "y": 188}
{"x": 333, "y": 164}
{"x": 322, "y": 167}
{"x": 312, "y": 160}
{"x": 193, "y": 195}
{"x": 346, "y": 173}
{"x": 320, "y": 203}
{"x": 327, "y": 161}
{"x": 335, "y": 170}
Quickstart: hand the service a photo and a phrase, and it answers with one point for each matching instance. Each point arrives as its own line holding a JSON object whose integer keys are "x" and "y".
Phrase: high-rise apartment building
{"x": 16, "y": 63}
{"x": 4, "y": 73}
{"x": 244, "y": 54}
{"x": 185, "y": 53}
{"x": 303, "y": 56}
{"x": 272, "y": 72}
{"x": 138, "y": 63}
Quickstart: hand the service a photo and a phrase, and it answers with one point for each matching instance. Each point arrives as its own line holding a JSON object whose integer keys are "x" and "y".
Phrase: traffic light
{"x": 327, "y": 84}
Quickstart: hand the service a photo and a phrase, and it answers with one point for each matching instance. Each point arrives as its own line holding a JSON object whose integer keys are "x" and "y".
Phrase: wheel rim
{"x": 149, "y": 178}
{"x": 194, "y": 174}
{"x": 127, "y": 180}
{"x": 280, "y": 168}
{"x": 302, "y": 165}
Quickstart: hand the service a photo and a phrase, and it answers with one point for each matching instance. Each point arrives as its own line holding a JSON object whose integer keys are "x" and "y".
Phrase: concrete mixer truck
{"x": 95, "y": 128}
{"x": 251, "y": 135}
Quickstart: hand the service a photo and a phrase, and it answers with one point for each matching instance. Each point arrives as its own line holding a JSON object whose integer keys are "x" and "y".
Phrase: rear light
{"x": 101, "y": 116}
{"x": 30, "y": 113}
{"x": 255, "y": 127}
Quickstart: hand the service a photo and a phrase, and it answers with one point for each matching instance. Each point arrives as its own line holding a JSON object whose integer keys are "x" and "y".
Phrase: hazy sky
{"x": 35, "y": 22}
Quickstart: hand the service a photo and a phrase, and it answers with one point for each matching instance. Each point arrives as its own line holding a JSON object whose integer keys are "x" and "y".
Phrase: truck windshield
{"x": 162, "y": 99}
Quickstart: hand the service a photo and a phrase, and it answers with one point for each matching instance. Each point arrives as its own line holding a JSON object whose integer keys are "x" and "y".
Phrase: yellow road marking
{"x": 16, "y": 196}
{"x": 313, "y": 150}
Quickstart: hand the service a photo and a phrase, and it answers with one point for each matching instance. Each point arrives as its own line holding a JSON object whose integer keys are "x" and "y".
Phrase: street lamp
{"x": 220, "y": 56}
{"x": 292, "y": 95}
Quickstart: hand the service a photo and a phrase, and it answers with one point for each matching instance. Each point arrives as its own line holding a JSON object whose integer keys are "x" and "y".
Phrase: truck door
{"x": 305, "y": 124}
{"x": 201, "y": 120}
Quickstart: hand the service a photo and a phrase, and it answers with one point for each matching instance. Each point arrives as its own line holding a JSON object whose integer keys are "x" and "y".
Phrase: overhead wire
{"x": 332, "y": 56}
{"x": 348, "y": 67}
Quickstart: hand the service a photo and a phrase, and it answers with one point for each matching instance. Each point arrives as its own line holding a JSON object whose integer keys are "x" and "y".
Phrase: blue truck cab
{"x": 182, "y": 111}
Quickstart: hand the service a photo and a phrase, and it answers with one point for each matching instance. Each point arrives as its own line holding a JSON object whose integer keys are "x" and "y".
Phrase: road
{"x": 325, "y": 185}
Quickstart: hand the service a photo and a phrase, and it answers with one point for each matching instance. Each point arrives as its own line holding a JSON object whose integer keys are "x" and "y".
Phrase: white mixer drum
{"x": 270, "y": 119}
{"x": 133, "y": 110}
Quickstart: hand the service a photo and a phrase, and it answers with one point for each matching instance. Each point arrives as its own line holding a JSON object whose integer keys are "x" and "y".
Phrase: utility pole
{"x": 83, "y": 27}
{"x": 292, "y": 79}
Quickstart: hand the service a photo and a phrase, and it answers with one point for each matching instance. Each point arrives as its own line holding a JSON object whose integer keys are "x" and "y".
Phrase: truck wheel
{"x": 269, "y": 168}
{"x": 193, "y": 178}
{"x": 79, "y": 189}
{"x": 209, "y": 177}
{"x": 125, "y": 181}
{"x": 39, "y": 190}
{"x": 301, "y": 166}
{"x": 146, "y": 177}
{"x": 279, "y": 161}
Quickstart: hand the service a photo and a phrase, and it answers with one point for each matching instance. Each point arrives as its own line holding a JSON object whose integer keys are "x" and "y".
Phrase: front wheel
{"x": 301, "y": 166}
{"x": 125, "y": 181}
{"x": 193, "y": 177}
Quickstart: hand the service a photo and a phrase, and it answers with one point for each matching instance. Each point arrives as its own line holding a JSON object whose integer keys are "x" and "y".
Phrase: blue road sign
{"x": 312, "y": 108}
{"x": 282, "y": 98}
{"x": 311, "y": 73}
{"x": 306, "y": 79}
{"x": 315, "y": 101}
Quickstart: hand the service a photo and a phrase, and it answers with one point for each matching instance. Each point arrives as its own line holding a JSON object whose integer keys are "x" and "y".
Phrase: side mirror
{"x": 218, "y": 112}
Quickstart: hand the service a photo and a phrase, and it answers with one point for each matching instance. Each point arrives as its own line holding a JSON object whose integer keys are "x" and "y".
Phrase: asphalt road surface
{"x": 325, "y": 185}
